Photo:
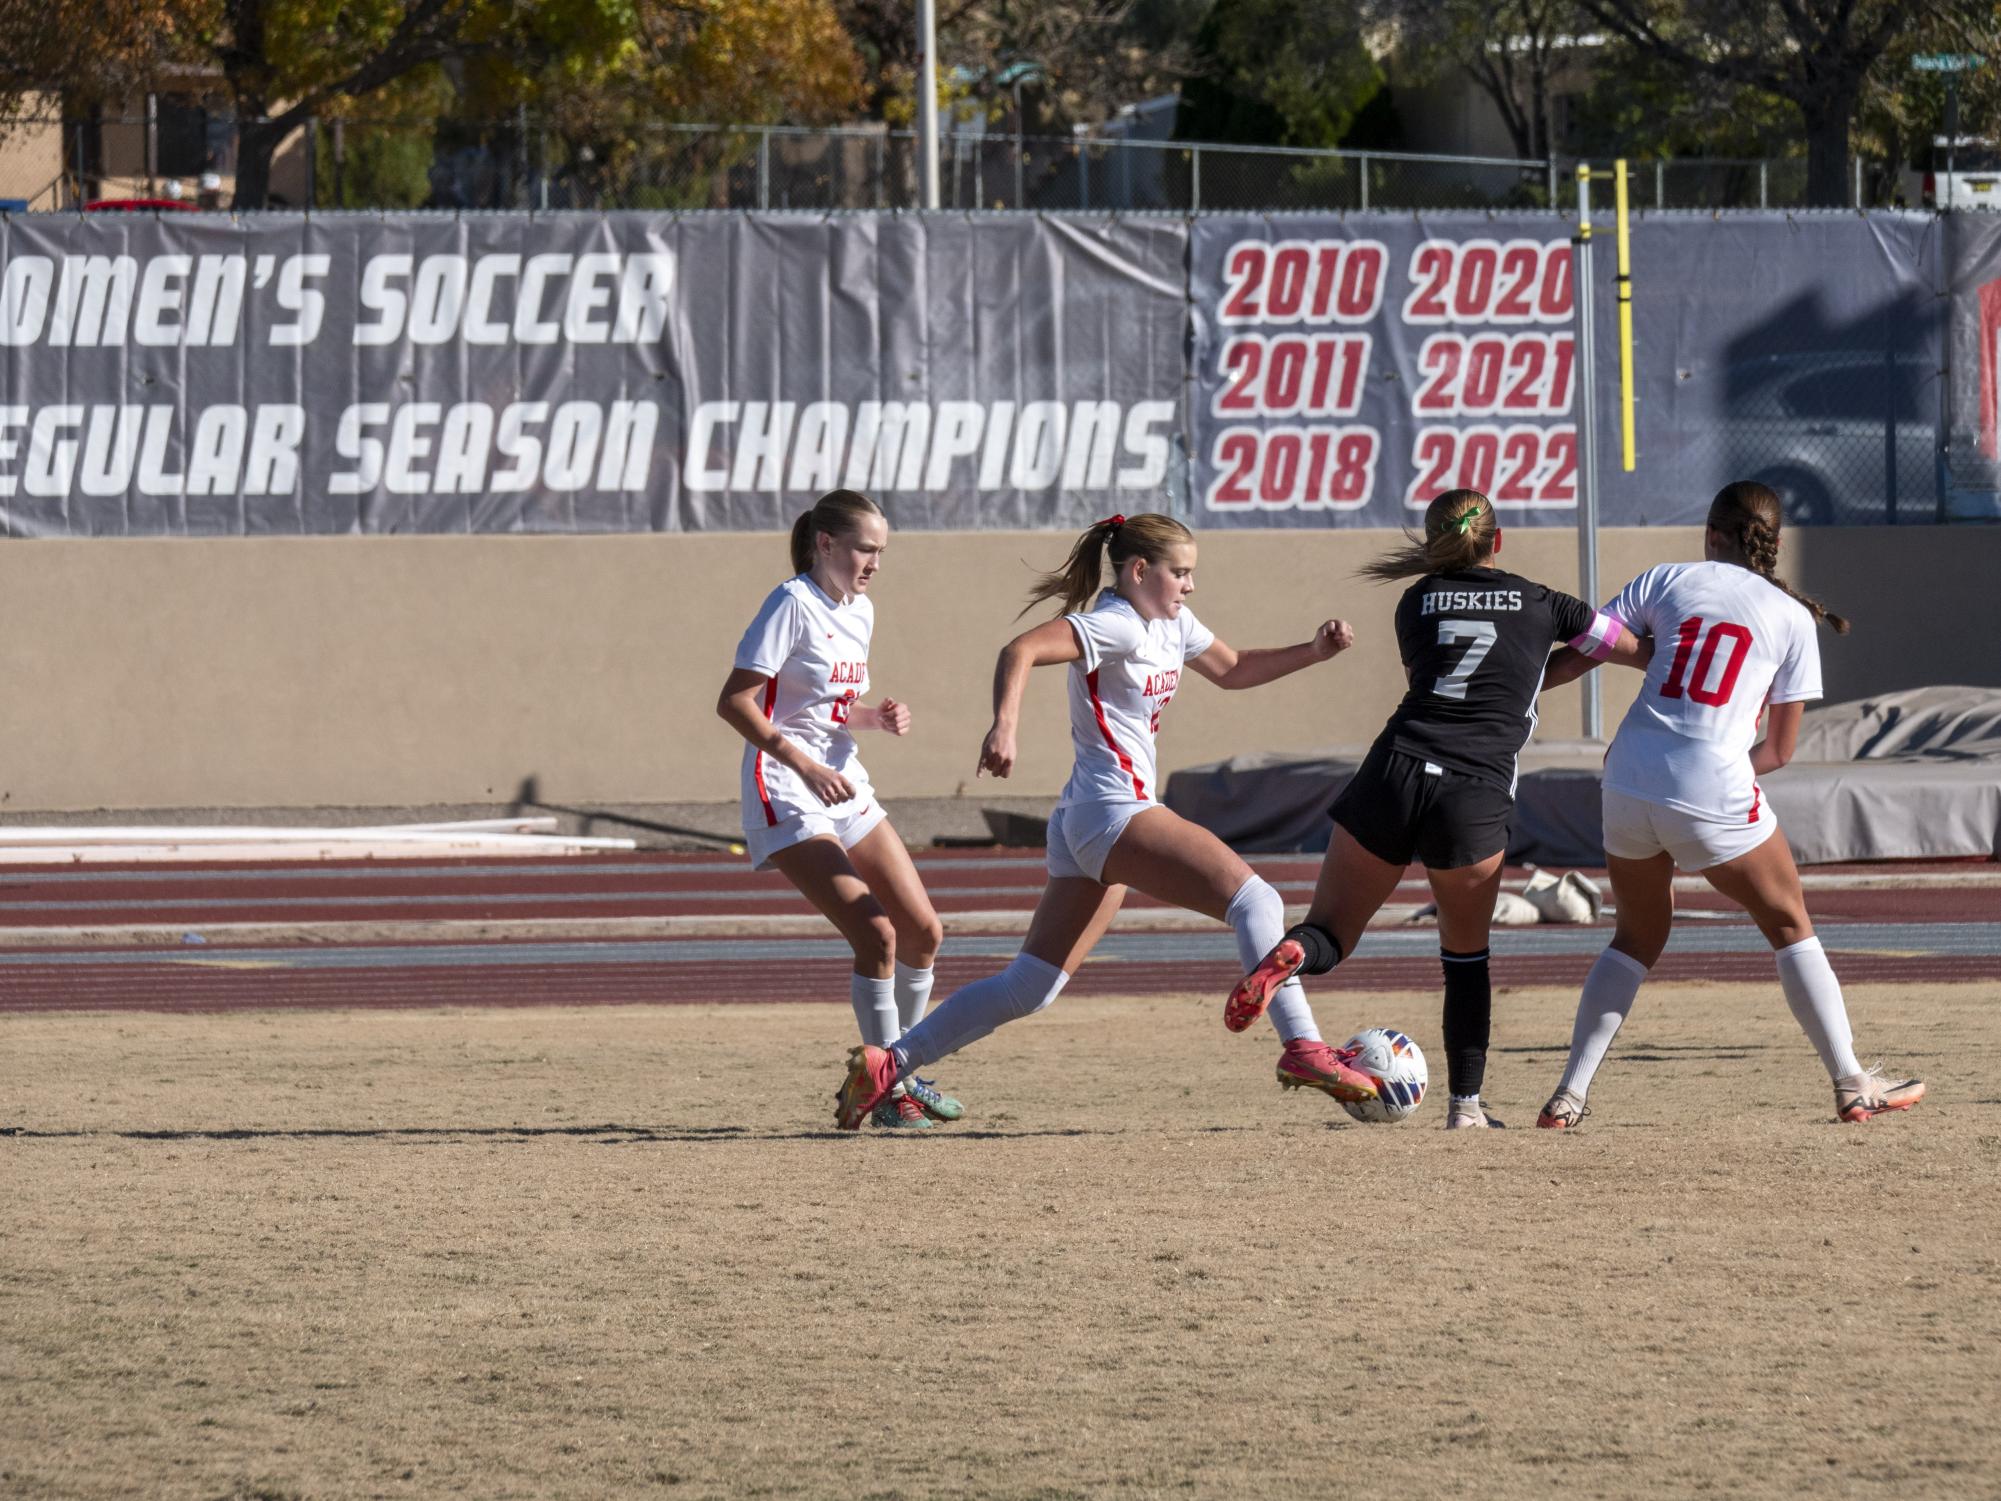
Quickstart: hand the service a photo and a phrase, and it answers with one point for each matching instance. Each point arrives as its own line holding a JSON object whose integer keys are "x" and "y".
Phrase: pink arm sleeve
{"x": 1597, "y": 639}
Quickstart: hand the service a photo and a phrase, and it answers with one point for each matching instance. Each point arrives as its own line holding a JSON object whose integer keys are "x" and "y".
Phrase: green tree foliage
{"x": 1823, "y": 57}
{"x": 1309, "y": 91}
{"x": 604, "y": 64}
{"x": 1082, "y": 59}
{"x": 1514, "y": 51}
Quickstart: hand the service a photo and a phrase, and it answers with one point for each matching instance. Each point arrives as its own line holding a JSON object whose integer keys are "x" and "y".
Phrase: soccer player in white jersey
{"x": 1438, "y": 786}
{"x": 1681, "y": 789}
{"x": 795, "y": 695}
{"x": 1126, "y": 647}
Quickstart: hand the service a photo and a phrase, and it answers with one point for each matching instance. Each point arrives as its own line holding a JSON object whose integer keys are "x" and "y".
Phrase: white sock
{"x": 1257, "y": 915}
{"x": 1815, "y": 998}
{"x": 1608, "y": 995}
{"x": 875, "y": 1009}
{"x": 1025, "y": 987}
{"x": 913, "y": 994}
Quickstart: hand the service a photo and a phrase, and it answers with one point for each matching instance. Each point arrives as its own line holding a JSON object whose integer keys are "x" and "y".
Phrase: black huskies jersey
{"x": 1474, "y": 644}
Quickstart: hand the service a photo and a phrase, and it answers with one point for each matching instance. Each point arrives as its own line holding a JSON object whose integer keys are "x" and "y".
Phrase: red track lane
{"x": 703, "y": 885}
{"x": 176, "y": 988}
{"x": 961, "y": 881}
{"x": 1945, "y": 904}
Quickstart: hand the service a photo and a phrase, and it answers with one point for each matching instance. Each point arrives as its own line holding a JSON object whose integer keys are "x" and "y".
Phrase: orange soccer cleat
{"x": 1254, "y": 992}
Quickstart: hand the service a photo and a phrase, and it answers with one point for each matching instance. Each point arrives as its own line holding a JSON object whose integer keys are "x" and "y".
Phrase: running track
{"x": 664, "y": 928}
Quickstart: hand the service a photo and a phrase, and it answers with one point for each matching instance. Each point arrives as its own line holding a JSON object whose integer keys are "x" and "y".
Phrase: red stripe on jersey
{"x": 1125, "y": 761}
{"x": 757, "y": 762}
{"x": 1757, "y": 798}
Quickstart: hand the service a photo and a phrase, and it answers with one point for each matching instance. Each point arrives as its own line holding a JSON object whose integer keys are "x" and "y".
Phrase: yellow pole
{"x": 1624, "y": 284}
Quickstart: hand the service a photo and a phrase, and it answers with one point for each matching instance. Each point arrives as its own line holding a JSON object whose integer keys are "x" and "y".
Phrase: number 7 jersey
{"x": 1726, "y": 642}
{"x": 1474, "y": 643}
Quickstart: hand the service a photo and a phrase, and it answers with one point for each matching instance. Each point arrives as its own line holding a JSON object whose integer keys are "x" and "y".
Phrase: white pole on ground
{"x": 1587, "y": 436}
{"x": 927, "y": 103}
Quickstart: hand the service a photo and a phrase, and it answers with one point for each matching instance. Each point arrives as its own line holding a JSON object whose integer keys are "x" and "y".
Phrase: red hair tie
{"x": 1114, "y": 522}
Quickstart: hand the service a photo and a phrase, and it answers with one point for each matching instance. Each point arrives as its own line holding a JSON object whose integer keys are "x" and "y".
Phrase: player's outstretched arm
{"x": 1228, "y": 668}
{"x": 886, "y": 714}
{"x": 1567, "y": 664}
{"x": 1048, "y": 644}
{"x": 737, "y": 705}
{"x": 1782, "y": 733}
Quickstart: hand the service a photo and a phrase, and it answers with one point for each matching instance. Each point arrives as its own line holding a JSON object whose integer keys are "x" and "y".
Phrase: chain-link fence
{"x": 181, "y": 153}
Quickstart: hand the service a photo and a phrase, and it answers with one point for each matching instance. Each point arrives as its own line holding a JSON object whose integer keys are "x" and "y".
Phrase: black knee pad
{"x": 1323, "y": 952}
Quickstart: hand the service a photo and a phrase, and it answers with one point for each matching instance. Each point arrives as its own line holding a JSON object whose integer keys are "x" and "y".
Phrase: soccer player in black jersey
{"x": 1439, "y": 783}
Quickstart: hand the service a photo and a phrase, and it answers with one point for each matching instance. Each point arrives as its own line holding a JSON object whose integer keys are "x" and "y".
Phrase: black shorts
{"x": 1397, "y": 810}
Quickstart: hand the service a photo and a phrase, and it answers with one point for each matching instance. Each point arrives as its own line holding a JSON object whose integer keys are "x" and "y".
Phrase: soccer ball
{"x": 1397, "y": 1066}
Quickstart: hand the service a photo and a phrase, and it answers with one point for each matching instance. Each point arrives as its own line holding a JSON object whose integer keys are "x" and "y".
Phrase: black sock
{"x": 1323, "y": 951}
{"x": 1469, "y": 1015}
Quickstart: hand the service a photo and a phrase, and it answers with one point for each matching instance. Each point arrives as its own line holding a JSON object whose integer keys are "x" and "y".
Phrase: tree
{"x": 98, "y": 53}
{"x": 1307, "y": 93}
{"x": 1819, "y": 55}
{"x": 283, "y": 62}
{"x": 1512, "y": 49}
{"x": 1089, "y": 56}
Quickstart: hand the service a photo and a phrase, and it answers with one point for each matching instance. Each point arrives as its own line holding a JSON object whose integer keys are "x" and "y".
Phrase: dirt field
{"x": 591, "y": 1253}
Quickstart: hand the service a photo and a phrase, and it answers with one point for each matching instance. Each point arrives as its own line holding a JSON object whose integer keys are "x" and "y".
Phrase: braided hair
{"x": 1750, "y": 515}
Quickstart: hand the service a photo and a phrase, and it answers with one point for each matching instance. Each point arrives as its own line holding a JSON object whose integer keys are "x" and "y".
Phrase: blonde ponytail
{"x": 1459, "y": 531}
{"x": 1117, "y": 540}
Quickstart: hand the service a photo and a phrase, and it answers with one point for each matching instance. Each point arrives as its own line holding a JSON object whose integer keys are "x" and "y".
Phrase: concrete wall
{"x": 404, "y": 671}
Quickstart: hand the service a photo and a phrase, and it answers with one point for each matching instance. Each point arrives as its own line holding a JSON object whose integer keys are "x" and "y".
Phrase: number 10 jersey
{"x": 1727, "y": 641}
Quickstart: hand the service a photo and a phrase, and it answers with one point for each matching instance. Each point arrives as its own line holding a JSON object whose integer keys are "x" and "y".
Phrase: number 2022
{"x": 1489, "y": 281}
{"x": 1512, "y": 466}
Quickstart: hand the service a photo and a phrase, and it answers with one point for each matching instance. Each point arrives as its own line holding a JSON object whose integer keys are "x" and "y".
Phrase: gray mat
{"x": 1914, "y": 775}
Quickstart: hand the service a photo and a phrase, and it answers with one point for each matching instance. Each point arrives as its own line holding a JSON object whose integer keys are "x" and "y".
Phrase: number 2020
{"x": 1489, "y": 281}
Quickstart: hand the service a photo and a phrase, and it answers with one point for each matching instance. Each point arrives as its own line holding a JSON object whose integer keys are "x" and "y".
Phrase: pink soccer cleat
{"x": 871, "y": 1076}
{"x": 1254, "y": 992}
{"x": 1314, "y": 1065}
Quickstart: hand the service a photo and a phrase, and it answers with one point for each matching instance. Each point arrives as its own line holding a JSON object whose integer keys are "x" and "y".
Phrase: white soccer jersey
{"x": 813, "y": 651}
{"x": 1726, "y": 643}
{"x": 1129, "y": 671}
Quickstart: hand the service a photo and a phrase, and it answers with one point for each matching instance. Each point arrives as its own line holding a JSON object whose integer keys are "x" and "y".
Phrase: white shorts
{"x": 1081, "y": 836}
{"x": 1638, "y": 830}
{"x": 850, "y": 828}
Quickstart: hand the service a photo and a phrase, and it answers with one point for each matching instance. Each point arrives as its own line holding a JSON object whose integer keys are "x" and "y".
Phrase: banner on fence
{"x": 630, "y": 372}
{"x": 617, "y": 373}
{"x": 1349, "y": 369}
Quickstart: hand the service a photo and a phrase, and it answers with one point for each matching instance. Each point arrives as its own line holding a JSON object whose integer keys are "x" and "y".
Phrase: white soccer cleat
{"x": 1869, "y": 1093}
{"x": 1564, "y": 1112}
{"x": 1470, "y": 1115}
